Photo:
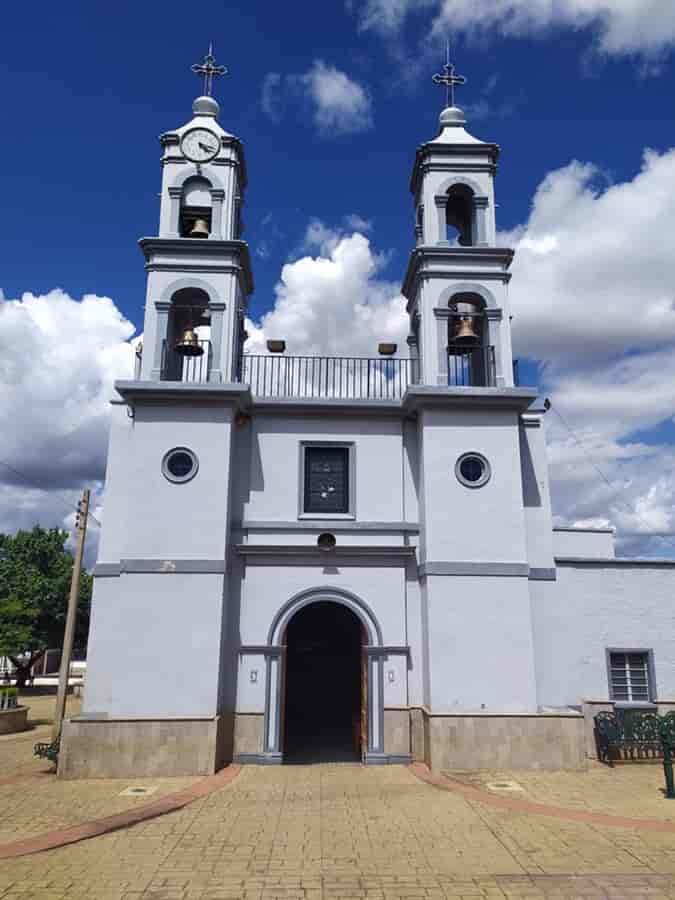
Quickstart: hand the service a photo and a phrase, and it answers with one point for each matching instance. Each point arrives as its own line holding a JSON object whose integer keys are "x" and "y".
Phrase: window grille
{"x": 630, "y": 679}
{"x": 326, "y": 480}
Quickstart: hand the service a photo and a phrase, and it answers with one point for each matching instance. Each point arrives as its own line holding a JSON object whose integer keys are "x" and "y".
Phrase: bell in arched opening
{"x": 200, "y": 229}
{"x": 465, "y": 326}
{"x": 189, "y": 344}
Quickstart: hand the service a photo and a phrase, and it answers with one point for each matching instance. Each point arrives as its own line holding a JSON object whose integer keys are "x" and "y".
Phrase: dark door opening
{"x": 323, "y": 705}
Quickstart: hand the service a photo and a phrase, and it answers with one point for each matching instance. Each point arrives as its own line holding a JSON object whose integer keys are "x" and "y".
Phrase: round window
{"x": 473, "y": 470}
{"x": 180, "y": 465}
{"x": 326, "y": 541}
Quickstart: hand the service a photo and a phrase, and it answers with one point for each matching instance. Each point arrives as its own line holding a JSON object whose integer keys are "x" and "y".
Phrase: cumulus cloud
{"x": 593, "y": 297}
{"x": 620, "y": 27}
{"x": 338, "y": 105}
{"x": 334, "y": 302}
{"x": 58, "y": 360}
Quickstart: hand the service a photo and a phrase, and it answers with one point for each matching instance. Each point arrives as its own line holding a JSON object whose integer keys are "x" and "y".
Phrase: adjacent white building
{"x": 346, "y": 558}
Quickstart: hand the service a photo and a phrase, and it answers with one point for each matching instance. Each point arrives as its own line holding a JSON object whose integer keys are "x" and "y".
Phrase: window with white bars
{"x": 630, "y": 677}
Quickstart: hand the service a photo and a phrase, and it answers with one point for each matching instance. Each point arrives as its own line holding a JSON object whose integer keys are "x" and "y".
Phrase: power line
{"x": 65, "y": 502}
{"x": 597, "y": 467}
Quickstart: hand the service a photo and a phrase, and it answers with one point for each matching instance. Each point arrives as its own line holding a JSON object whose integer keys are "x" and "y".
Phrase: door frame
{"x": 275, "y": 665}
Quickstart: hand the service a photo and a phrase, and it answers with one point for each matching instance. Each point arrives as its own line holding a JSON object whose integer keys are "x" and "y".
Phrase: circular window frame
{"x": 487, "y": 470}
{"x": 179, "y": 479}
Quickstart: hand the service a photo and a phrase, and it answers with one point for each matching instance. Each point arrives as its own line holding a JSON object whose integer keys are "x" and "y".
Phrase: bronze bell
{"x": 200, "y": 229}
{"x": 189, "y": 344}
{"x": 464, "y": 333}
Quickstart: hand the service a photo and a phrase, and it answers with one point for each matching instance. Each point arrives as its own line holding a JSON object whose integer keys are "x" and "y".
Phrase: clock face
{"x": 200, "y": 145}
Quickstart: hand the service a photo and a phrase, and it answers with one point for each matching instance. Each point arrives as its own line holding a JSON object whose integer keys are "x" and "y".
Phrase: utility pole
{"x": 69, "y": 633}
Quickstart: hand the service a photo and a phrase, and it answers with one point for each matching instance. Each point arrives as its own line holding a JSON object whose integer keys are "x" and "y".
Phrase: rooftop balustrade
{"x": 330, "y": 377}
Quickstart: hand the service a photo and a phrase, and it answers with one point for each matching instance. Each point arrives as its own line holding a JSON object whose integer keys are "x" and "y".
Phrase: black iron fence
{"x": 471, "y": 367}
{"x": 178, "y": 367}
{"x": 353, "y": 378}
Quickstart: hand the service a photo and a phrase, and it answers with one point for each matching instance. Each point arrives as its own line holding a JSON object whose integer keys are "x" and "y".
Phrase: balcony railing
{"x": 177, "y": 367}
{"x": 473, "y": 367}
{"x": 338, "y": 377}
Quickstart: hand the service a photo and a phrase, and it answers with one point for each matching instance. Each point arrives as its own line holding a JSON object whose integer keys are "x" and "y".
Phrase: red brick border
{"x": 421, "y": 771}
{"x": 62, "y": 836}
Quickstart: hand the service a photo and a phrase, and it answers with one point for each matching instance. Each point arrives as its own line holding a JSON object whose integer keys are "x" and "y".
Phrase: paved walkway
{"x": 347, "y": 831}
{"x": 338, "y": 831}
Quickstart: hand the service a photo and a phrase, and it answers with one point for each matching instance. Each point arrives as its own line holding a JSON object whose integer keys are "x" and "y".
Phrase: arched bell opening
{"x": 187, "y": 347}
{"x": 325, "y": 706}
{"x": 470, "y": 357}
{"x": 460, "y": 216}
{"x": 196, "y": 208}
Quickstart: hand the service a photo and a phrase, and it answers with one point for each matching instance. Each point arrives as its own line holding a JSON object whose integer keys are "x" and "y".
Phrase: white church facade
{"x": 310, "y": 558}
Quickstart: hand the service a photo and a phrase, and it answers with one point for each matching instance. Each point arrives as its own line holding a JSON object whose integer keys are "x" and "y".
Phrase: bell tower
{"x": 478, "y": 545}
{"x": 199, "y": 269}
{"x": 456, "y": 283}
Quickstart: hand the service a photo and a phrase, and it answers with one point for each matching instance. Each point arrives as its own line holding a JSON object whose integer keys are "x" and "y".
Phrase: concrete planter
{"x": 12, "y": 720}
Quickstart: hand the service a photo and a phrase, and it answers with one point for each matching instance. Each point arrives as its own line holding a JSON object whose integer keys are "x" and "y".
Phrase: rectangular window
{"x": 326, "y": 480}
{"x": 630, "y": 676}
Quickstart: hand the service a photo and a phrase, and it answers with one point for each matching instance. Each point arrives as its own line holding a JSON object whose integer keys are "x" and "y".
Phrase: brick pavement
{"x": 333, "y": 831}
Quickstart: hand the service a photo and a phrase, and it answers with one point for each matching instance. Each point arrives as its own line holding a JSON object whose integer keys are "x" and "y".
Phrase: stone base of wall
{"x": 113, "y": 748}
{"x": 13, "y": 720}
{"x": 534, "y": 741}
{"x": 248, "y": 735}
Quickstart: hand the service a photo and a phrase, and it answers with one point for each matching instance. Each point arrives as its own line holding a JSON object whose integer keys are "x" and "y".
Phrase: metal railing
{"x": 177, "y": 367}
{"x": 338, "y": 377}
{"x": 473, "y": 367}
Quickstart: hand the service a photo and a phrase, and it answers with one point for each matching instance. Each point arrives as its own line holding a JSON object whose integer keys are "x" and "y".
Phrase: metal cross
{"x": 209, "y": 70}
{"x": 448, "y": 78}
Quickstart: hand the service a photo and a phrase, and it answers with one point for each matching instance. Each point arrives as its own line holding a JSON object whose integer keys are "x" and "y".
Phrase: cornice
{"x": 208, "y": 393}
{"x": 419, "y": 397}
{"x": 424, "y": 162}
{"x": 186, "y": 248}
{"x": 420, "y": 265}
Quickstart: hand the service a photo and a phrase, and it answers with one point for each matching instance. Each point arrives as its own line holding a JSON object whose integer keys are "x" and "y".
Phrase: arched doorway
{"x": 324, "y": 697}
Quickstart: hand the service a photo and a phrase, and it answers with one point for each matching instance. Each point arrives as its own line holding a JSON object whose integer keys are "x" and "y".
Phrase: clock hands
{"x": 206, "y": 147}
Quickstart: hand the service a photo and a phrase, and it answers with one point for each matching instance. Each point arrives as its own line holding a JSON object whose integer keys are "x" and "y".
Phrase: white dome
{"x": 205, "y": 106}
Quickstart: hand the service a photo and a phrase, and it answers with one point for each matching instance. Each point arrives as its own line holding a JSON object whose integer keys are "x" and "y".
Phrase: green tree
{"x": 35, "y": 573}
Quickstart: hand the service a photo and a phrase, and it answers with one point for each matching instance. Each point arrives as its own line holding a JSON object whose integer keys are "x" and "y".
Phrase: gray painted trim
{"x": 332, "y": 407}
{"x": 185, "y": 247}
{"x": 168, "y": 391}
{"x": 373, "y": 650}
{"x": 651, "y": 670}
{"x": 315, "y": 554}
{"x": 513, "y": 570}
{"x": 266, "y": 649}
{"x": 107, "y": 570}
{"x": 173, "y": 566}
{"x": 421, "y": 396}
{"x": 387, "y": 759}
{"x": 259, "y": 759}
{"x": 584, "y": 530}
{"x": 610, "y": 561}
{"x": 336, "y": 595}
{"x": 543, "y": 574}
{"x": 485, "y": 476}
{"x": 327, "y": 524}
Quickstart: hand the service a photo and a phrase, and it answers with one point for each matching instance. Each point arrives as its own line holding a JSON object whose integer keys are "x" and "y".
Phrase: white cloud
{"x": 593, "y": 296}
{"x": 333, "y": 303}
{"x": 644, "y": 27}
{"x": 58, "y": 360}
{"x": 338, "y": 104}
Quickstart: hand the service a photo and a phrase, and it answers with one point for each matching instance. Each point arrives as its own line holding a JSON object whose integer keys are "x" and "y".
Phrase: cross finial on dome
{"x": 448, "y": 78}
{"x": 209, "y": 70}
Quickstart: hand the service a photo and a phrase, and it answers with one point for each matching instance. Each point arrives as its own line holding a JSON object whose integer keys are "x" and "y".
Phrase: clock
{"x": 200, "y": 145}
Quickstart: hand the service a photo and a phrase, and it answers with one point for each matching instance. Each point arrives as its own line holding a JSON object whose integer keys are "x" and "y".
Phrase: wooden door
{"x": 364, "y": 699}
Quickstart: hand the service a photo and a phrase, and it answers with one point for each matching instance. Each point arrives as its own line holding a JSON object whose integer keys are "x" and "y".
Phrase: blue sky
{"x": 87, "y": 94}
